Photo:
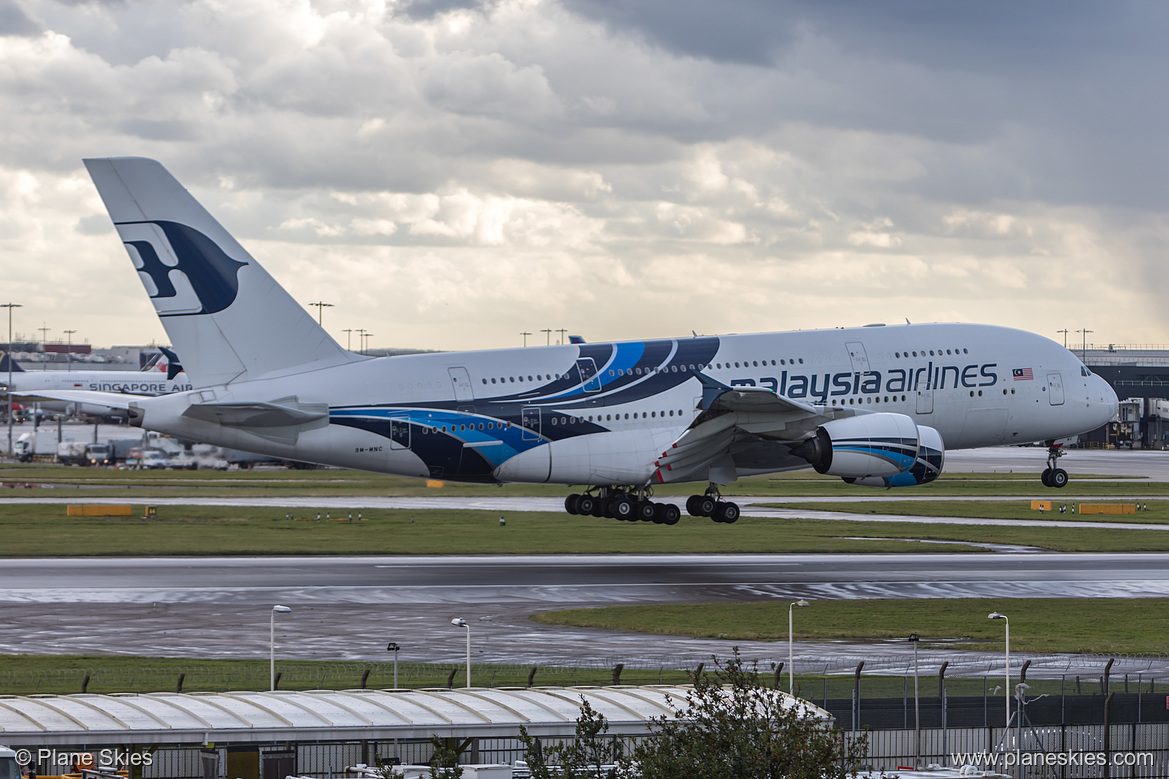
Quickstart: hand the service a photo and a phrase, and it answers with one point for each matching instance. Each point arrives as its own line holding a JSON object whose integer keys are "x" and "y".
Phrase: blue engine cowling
{"x": 883, "y": 449}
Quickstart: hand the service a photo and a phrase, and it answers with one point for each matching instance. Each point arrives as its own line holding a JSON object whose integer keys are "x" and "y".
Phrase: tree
{"x": 732, "y": 726}
{"x": 590, "y": 755}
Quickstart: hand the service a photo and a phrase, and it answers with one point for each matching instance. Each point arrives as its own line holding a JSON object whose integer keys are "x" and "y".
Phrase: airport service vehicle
{"x": 876, "y": 406}
{"x": 99, "y": 454}
{"x": 153, "y": 459}
{"x": 39, "y": 443}
{"x": 8, "y": 767}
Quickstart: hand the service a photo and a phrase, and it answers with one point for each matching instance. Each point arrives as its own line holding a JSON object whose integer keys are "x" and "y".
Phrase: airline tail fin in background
{"x": 8, "y": 364}
{"x": 221, "y": 310}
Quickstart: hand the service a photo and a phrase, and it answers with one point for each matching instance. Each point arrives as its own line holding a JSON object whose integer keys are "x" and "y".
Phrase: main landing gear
{"x": 633, "y": 504}
{"x": 710, "y": 504}
{"x": 1053, "y": 476}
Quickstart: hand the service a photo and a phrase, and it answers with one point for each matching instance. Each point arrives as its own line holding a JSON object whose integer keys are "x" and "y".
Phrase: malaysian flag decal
{"x": 1023, "y": 374}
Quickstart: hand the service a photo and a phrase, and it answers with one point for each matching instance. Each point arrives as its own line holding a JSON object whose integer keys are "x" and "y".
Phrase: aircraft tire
{"x": 646, "y": 510}
{"x": 726, "y": 512}
{"x": 570, "y": 503}
{"x": 1045, "y": 477}
{"x": 706, "y": 506}
{"x": 1058, "y": 478}
{"x": 621, "y": 508}
{"x": 585, "y": 505}
{"x": 667, "y": 514}
{"x": 692, "y": 505}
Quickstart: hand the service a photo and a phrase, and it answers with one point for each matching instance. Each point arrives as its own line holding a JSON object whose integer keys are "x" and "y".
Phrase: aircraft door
{"x": 925, "y": 399}
{"x": 1055, "y": 389}
{"x": 461, "y": 381}
{"x": 858, "y": 357}
{"x": 399, "y": 434}
{"x": 588, "y": 374}
{"x": 530, "y": 422}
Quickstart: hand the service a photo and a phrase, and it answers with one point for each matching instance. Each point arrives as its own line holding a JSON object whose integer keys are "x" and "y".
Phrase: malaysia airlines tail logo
{"x": 184, "y": 272}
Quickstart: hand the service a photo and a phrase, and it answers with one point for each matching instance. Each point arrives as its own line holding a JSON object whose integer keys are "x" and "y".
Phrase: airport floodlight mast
{"x": 8, "y": 388}
{"x": 913, "y": 638}
{"x": 563, "y": 332}
{"x": 525, "y": 334}
{"x": 791, "y": 676}
{"x": 365, "y": 336}
{"x": 69, "y": 346}
{"x": 1007, "y": 688}
{"x": 548, "y": 332}
{"x": 393, "y": 647}
{"x": 360, "y": 340}
{"x": 321, "y": 306}
{"x": 1084, "y": 347}
{"x": 1065, "y": 332}
{"x": 272, "y": 646}
{"x": 459, "y": 622}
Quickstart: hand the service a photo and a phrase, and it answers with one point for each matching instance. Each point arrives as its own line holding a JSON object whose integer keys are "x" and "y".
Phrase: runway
{"x": 349, "y": 607}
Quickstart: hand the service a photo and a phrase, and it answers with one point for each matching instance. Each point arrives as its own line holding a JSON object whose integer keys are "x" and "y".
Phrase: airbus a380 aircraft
{"x": 874, "y": 405}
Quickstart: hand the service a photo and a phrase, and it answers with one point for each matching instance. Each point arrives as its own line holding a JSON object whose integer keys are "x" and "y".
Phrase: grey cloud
{"x": 14, "y": 21}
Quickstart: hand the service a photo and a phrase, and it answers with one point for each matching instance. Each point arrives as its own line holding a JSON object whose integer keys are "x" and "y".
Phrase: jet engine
{"x": 879, "y": 450}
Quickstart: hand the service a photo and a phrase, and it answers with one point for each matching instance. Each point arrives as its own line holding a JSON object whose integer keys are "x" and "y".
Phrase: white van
{"x": 8, "y": 767}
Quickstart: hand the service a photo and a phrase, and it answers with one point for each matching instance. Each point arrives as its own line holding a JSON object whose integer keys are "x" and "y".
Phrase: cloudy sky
{"x": 450, "y": 173}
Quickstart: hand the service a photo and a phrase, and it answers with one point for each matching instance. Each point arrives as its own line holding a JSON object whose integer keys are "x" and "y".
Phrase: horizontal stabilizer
{"x": 8, "y": 364}
{"x": 282, "y": 413}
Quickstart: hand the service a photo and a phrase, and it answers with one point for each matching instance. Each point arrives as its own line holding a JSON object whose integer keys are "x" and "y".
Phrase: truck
{"x": 8, "y": 767}
{"x": 72, "y": 452}
{"x": 39, "y": 443}
{"x": 99, "y": 454}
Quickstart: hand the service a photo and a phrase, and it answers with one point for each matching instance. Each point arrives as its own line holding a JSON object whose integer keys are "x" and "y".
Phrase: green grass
{"x": 87, "y": 482}
{"x": 1046, "y": 625}
{"x": 45, "y": 531}
{"x": 63, "y": 674}
{"x": 1157, "y": 512}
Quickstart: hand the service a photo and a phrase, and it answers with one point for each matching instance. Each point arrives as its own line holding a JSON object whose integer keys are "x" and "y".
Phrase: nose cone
{"x": 1102, "y": 401}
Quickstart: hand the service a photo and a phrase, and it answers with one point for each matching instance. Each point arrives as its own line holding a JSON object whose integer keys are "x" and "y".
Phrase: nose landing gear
{"x": 1054, "y": 476}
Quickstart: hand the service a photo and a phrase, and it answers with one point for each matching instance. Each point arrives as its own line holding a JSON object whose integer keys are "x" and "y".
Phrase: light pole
{"x": 916, "y": 709}
{"x": 1007, "y": 688}
{"x": 348, "y": 340}
{"x": 69, "y": 346}
{"x": 272, "y": 646}
{"x": 393, "y": 647}
{"x": 547, "y": 331}
{"x": 10, "y": 306}
{"x": 462, "y": 623}
{"x": 525, "y": 334}
{"x": 365, "y": 342}
{"x": 1084, "y": 347}
{"x": 1065, "y": 332}
{"x": 321, "y": 311}
{"x": 791, "y": 676}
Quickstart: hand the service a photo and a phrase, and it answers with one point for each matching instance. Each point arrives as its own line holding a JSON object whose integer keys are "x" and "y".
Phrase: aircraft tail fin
{"x": 8, "y": 364}
{"x": 221, "y": 310}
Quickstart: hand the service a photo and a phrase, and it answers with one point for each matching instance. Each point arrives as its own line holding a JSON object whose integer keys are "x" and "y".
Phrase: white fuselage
{"x": 602, "y": 413}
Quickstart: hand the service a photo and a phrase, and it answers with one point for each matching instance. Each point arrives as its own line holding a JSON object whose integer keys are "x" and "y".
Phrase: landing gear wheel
{"x": 706, "y": 506}
{"x": 646, "y": 510}
{"x": 1058, "y": 478}
{"x": 1045, "y": 477}
{"x": 667, "y": 514}
{"x": 621, "y": 508}
{"x": 1054, "y": 476}
{"x": 585, "y": 505}
{"x": 692, "y": 505}
{"x": 570, "y": 503}
{"x": 726, "y": 512}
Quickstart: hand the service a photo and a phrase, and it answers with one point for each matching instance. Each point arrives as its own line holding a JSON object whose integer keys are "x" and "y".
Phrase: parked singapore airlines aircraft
{"x": 874, "y": 405}
{"x": 163, "y": 374}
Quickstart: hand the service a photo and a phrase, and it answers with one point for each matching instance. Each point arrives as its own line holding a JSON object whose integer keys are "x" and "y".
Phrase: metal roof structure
{"x": 329, "y": 715}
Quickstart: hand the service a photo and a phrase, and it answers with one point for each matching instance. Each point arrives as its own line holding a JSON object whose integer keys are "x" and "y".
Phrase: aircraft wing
{"x": 741, "y": 430}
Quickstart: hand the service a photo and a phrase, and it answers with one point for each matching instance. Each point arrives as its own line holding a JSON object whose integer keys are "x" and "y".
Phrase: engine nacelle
{"x": 873, "y": 448}
{"x": 931, "y": 456}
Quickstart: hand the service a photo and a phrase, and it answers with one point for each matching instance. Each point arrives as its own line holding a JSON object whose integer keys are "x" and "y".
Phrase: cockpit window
{"x": 1084, "y": 371}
